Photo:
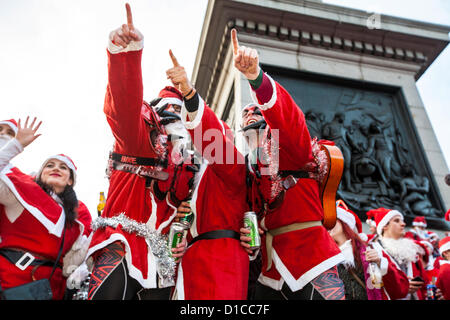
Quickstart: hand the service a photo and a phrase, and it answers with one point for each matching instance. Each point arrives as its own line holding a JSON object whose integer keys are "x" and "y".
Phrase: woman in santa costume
{"x": 389, "y": 282}
{"x": 402, "y": 251}
{"x": 38, "y": 215}
{"x": 443, "y": 279}
{"x": 215, "y": 266}
{"x": 129, "y": 244}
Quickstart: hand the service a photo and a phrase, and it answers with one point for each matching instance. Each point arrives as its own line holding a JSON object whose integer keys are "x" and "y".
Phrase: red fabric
{"x": 395, "y": 282}
{"x": 443, "y": 280}
{"x": 126, "y": 112}
{"x": 29, "y": 234}
{"x": 217, "y": 269}
{"x": 302, "y": 202}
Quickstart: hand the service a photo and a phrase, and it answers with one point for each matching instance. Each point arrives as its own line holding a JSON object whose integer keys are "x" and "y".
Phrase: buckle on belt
{"x": 22, "y": 264}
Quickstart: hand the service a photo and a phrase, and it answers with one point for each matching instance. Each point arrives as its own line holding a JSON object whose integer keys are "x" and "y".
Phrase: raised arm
{"x": 124, "y": 95}
{"x": 278, "y": 108}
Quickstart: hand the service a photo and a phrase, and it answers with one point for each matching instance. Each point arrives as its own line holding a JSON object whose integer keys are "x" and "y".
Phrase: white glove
{"x": 77, "y": 277}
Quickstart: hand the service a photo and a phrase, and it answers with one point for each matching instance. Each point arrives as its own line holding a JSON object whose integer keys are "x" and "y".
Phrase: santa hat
{"x": 350, "y": 218}
{"x": 12, "y": 123}
{"x": 447, "y": 215}
{"x": 444, "y": 245}
{"x": 383, "y": 216}
{"x": 169, "y": 95}
{"x": 419, "y": 222}
{"x": 66, "y": 160}
{"x": 371, "y": 218}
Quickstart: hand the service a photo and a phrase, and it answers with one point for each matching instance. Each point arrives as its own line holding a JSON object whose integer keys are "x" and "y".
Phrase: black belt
{"x": 216, "y": 234}
{"x": 23, "y": 259}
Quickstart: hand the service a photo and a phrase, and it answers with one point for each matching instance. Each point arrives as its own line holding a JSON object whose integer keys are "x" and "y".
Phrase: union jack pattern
{"x": 329, "y": 285}
{"x": 105, "y": 263}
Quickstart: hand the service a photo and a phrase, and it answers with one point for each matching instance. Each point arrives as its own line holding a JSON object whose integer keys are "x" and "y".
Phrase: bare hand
{"x": 127, "y": 33}
{"x": 183, "y": 209}
{"x": 27, "y": 134}
{"x": 245, "y": 239}
{"x": 177, "y": 75}
{"x": 179, "y": 251}
{"x": 246, "y": 59}
{"x": 414, "y": 285}
{"x": 372, "y": 256}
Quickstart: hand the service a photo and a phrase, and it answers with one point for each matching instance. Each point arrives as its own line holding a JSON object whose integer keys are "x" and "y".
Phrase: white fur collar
{"x": 347, "y": 251}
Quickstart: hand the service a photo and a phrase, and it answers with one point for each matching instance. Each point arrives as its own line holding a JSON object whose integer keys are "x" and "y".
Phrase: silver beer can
{"x": 251, "y": 223}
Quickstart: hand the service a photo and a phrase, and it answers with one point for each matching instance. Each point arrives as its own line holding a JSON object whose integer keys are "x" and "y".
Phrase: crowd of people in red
{"x": 52, "y": 248}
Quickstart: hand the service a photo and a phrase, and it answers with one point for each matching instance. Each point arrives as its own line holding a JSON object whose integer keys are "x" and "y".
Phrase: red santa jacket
{"x": 298, "y": 256}
{"x": 215, "y": 269}
{"x": 126, "y": 114}
{"x": 37, "y": 230}
{"x": 443, "y": 280}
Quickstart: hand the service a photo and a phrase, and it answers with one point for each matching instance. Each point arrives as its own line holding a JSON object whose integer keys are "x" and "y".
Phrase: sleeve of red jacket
{"x": 395, "y": 281}
{"x": 210, "y": 139}
{"x": 282, "y": 114}
{"x": 124, "y": 100}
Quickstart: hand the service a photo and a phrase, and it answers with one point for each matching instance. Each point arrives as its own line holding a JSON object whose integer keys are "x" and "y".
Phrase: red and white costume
{"x": 443, "y": 278}
{"x": 298, "y": 256}
{"x": 395, "y": 282}
{"x": 215, "y": 269}
{"x": 131, "y": 120}
{"x": 404, "y": 253}
{"x": 33, "y": 221}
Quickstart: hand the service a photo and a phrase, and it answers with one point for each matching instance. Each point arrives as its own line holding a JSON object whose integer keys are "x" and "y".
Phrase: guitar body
{"x": 330, "y": 184}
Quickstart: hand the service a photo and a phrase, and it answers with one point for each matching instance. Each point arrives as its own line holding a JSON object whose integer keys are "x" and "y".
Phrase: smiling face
{"x": 57, "y": 175}
{"x": 251, "y": 115}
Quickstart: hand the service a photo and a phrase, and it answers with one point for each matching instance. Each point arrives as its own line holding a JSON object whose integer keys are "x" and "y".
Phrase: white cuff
{"x": 197, "y": 115}
{"x": 383, "y": 265}
{"x": 132, "y": 46}
{"x": 272, "y": 100}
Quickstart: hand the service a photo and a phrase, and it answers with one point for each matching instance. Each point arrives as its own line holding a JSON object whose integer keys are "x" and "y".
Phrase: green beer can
{"x": 251, "y": 223}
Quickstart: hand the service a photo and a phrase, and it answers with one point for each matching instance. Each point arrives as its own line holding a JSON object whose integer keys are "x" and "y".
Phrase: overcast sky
{"x": 53, "y": 65}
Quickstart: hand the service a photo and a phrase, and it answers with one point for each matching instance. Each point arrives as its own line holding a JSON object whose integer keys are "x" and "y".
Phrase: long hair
{"x": 357, "y": 243}
{"x": 68, "y": 197}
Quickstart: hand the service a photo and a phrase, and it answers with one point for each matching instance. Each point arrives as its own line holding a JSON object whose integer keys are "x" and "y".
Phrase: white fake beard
{"x": 347, "y": 251}
{"x": 181, "y": 143}
{"x": 402, "y": 250}
{"x": 4, "y": 139}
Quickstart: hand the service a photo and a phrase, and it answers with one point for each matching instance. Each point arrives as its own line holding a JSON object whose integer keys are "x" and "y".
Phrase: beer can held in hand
{"x": 176, "y": 235}
{"x": 251, "y": 223}
{"x": 188, "y": 218}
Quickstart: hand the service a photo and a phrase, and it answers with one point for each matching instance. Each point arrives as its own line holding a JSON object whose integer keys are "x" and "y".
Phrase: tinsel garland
{"x": 158, "y": 242}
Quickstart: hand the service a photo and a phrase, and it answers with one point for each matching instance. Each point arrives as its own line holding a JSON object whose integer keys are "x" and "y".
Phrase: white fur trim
{"x": 297, "y": 284}
{"x": 165, "y": 101}
{"x": 419, "y": 224}
{"x": 53, "y": 228}
{"x": 272, "y": 100}
{"x": 444, "y": 248}
{"x": 179, "y": 286}
{"x": 198, "y": 115}
{"x": 134, "y": 272}
{"x": 132, "y": 46}
{"x": 197, "y": 180}
{"x": 391, "y": 214}
{"x": 346, "y": 217}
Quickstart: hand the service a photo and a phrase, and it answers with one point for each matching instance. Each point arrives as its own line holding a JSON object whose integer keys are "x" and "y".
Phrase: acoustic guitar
{"x": 330, "y": 183}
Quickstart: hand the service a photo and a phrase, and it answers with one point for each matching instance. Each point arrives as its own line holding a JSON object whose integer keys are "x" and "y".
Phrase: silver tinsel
{"x": 158, "y": 242}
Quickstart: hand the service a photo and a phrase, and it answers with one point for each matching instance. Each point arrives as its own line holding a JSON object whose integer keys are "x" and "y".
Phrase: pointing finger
{"x": 129, "y": 17}
{"x": 234, "y": 40}
{"x": 174, "y": 60}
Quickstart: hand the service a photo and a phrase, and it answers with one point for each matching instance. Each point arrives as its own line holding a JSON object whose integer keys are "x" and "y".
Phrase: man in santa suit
{"x": 215, "y": 266}
{"x": 418, "y": 231}
{"x": 299, "y": 257}
{"x": 129, "y": 245}
{"x": 443, "y": 279}
{"x": 404, "y": 252}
